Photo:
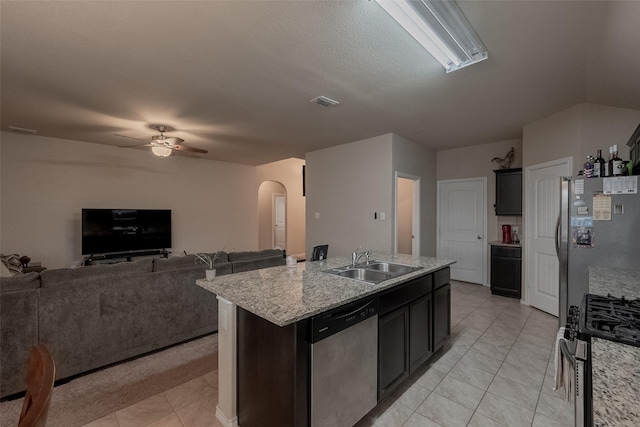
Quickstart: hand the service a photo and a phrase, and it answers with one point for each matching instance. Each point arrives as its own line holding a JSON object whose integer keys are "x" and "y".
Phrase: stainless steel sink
{"x": 374, "y": 272}
{"x": 391, "y": 268}
{"x": 364, "y": 275}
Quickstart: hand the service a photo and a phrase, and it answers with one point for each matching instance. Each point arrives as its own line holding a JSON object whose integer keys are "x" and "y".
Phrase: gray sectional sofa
{"x": 95, "y": 316}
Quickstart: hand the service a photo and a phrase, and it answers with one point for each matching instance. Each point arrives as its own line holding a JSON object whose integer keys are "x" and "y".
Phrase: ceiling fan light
{"x": 161, "y": 151}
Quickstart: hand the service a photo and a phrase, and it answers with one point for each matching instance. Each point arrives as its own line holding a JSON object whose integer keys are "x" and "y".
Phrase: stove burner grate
{"x": 613, "y": 318}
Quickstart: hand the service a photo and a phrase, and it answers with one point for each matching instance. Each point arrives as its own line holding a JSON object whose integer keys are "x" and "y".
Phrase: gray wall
{"x": 47, "y": 181}
{"x": 411, "y": 158}
{"x": 347, "y": 184}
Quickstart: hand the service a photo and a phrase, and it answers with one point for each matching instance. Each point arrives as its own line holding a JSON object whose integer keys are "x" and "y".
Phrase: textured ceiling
{"x": 236, "y": 78}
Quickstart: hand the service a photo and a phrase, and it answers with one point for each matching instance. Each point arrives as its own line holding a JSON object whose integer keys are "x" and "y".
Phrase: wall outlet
{"x": 316, "y": 215}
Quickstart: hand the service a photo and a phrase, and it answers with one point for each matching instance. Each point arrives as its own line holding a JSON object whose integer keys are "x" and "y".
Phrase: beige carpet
{"x": 95, "y": 395}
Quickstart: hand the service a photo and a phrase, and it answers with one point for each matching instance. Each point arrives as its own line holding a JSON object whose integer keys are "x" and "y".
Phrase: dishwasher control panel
{"x": 340, "y": 318}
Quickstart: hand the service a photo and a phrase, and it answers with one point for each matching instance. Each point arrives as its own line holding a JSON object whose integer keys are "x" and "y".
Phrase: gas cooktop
{"x": 611, "y": 318}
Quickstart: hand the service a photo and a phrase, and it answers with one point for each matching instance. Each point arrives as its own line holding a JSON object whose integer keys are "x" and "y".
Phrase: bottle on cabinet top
{"x": 588, "y": 167}
{"x": 598, "y": 166}
{"x": 616, "y": 163}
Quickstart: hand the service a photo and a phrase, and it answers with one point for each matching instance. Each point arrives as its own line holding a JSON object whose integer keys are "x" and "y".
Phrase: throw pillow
{"x": 12, "y": 262}
{"x": 4, "y": 271}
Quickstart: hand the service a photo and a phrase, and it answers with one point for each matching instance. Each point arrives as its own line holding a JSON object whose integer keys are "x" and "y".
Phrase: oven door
{"x": 578, "y": 364}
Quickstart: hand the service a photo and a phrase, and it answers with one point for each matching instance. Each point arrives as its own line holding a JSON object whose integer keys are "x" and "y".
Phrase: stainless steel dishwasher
{"x": 344, "y": 364}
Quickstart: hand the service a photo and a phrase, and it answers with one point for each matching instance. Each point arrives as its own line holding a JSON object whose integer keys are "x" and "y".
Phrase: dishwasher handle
{"x": 338, "y": 319}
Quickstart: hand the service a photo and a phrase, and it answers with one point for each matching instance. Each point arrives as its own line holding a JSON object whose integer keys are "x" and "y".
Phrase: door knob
{"x": 479, "y": 237}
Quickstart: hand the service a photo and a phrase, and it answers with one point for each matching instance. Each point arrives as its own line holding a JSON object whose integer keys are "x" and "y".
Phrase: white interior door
{"x": 542, "y": 206}
{"x": 462, "y": 224}
{"x": 279, "y": 229}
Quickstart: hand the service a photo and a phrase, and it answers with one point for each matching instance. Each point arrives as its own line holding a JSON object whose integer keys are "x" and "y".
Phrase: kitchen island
{"x": 615, "y": 366}
{"x": 264, "y": 329}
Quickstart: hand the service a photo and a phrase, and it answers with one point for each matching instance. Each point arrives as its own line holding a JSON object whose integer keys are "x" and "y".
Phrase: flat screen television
{"x": 125, "y": 230}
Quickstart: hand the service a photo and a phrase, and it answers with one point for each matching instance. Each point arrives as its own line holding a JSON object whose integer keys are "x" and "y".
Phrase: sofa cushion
{"x": 19, "y": 332}
{"x": 94, "y": 272}
{"x": 20, "y": 282}
{"x": 246, "y": 261}
{"x": 4, "y": 271}
{"x": 244, "y": 256}
{"x": 187, "y": 261}
{"x": 12, "y": 262}
{"x": 174, "y": 263}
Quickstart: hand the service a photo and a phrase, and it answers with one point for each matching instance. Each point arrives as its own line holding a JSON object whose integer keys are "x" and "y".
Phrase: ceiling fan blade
{"x": 135, "y": 146}
{"x": 131, "y": 137}
{"x": 190, "y": 149}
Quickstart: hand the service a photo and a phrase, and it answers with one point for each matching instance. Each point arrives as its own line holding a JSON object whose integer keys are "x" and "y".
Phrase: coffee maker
{"x": 506, "y": 234}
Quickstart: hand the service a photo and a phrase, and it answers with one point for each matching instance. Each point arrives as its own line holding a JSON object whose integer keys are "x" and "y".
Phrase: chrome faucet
{"x": 355, "y": 256}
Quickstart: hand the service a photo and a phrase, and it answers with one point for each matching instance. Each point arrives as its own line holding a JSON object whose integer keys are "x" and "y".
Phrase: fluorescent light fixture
{"x": 161, "y": 151}
{"x": 441, "y": 28}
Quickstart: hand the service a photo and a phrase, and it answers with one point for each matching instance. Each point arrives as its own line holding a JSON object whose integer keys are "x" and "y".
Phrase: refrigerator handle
{"x": 558, "y": 237}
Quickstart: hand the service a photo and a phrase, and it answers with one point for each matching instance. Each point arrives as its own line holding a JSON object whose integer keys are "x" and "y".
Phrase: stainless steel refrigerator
{"x": 599, "y": 226}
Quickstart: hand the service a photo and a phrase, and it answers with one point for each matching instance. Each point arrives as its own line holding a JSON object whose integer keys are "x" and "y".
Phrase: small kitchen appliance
{"x": 506, "y": 233}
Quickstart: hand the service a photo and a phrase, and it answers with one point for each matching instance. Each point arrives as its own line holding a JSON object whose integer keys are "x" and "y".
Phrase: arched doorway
{"x": 272, "y": 218}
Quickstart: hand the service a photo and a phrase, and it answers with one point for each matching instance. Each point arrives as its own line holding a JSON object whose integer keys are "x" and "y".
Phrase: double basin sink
{"x": 372, "y": 272}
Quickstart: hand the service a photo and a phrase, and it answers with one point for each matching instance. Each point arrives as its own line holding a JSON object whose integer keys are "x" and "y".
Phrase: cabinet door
{"x": 420, "y": 347}
{"x": 506, "y": 276}
{"x": 509, "y": 192}
{"x": 393, "y": 350}
{"x": 441, "y": 316}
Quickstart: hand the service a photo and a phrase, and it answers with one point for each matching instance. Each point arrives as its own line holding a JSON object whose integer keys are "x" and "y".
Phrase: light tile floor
{"x": 496, "y": 370}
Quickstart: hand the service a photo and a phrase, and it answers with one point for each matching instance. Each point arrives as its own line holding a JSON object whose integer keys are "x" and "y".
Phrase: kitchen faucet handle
{"x": 355, "y": 256}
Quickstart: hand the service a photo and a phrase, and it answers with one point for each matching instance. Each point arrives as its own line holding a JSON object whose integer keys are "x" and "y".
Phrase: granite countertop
{"x": 284, "y": 295}
{"x": 615, "y": 367}
{"x": 510, "y": 245}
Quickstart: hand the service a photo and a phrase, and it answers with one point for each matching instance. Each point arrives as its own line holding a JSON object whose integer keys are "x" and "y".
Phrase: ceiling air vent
{"x": 22, "y": 130}
{"x": 324, "y": 101}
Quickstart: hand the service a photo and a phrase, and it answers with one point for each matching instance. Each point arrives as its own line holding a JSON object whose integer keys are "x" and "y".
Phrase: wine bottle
{"x": 616, "y": 162}
{"x": 598, "y": 165}
{"x": 607, "y": 163}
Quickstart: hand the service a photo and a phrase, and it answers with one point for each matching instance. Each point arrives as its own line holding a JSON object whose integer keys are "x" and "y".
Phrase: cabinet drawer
{"x": 405, "y": 294}
{"x": 506, "y": 251}
{"x": 441, "y": 277}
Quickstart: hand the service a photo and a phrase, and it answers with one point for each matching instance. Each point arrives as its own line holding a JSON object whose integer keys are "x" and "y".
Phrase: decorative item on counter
{"x": 505, "y": 162}
{"x": 292, "y": 261}
{"x": 210, "y": 273}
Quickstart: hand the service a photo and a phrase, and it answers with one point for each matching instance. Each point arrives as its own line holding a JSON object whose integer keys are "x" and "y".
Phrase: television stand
{"x": 116, "y": 257}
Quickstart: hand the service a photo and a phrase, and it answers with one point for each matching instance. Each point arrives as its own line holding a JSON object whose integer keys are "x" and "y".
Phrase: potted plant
{"x": 210, "y": 273}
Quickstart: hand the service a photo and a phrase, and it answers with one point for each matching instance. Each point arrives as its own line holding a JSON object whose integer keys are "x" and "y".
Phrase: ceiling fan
{"x": 165, "y": 146}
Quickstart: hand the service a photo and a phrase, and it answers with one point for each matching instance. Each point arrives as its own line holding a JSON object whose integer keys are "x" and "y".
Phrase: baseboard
{"x": 226, "y": 422}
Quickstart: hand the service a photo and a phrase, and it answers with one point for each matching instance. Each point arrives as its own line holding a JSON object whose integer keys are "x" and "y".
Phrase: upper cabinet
{"x": 508, "y": 191}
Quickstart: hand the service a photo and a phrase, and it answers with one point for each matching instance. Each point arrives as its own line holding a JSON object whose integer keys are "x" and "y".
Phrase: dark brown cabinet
{"x": 506, "y": 271}
{"x": 508, "y": 191}
{"x": 441, "y": 316}
{"x": 393, "y": 353}
{"x": 420, "y": 318}
{"x": 414, "y": 322}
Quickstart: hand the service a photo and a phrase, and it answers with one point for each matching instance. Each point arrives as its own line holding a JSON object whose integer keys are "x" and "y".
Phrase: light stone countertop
{"x": 509, "y": 245}
{"x": 284, "y": 295}
{"x": 615, "y": 367}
